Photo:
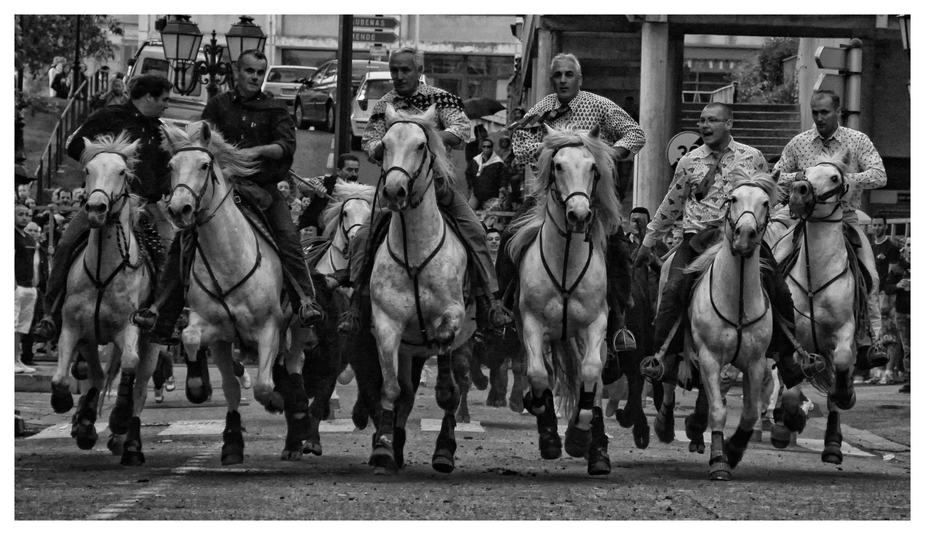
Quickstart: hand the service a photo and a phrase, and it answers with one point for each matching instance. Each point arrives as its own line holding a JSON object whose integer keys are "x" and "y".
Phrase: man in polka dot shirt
{"x": 571, "y": 108}
{"x": 865, "y": 171}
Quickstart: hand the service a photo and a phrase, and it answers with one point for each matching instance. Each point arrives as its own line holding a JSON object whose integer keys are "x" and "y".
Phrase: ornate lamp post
{"x": 182, "y": 39}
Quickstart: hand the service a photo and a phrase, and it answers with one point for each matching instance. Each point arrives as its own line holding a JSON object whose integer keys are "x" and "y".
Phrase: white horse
{"x": 236, "y": 277}
{"x": 107, "y": 281}
{"x": 731, "y": 320}
{"x": 560, "y": 246}
{"x": 342, "y": 219}
{"x": 417, "y": 287}
{"x": 823, "y": 289}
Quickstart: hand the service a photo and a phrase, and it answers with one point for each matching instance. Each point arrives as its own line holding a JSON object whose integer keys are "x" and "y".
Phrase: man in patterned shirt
{"x": 865, "y": 171}
{"x": 410, "y": 96}
{"x": 701, "y": 183}
{"x": 571, "y": 108}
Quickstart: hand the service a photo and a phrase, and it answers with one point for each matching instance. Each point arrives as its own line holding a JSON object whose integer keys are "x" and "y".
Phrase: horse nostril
{"x": 802, "y": 189}
{"x": 572, "y": 218}
{"x": 186, "y": 210}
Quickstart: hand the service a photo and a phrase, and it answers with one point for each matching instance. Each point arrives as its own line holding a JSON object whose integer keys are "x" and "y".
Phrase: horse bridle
{"x": 346, "y": 231}
{"x": 551, "y": 187}
{"x": 762, "y": 225}
{"x": 212, "y": 179}
{"x": 417, "y": 173}
{"x": 123, "y": 196}
{"x": 824, "y": 198}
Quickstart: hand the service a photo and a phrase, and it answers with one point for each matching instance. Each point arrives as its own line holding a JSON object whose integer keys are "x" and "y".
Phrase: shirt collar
{"x": 835, "y": 135}
{"x": 237, "y": 97}
{"x": 570, "y": 103}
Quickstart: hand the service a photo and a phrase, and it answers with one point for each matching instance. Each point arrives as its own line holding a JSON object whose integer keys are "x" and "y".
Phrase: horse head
{"x": 748, "y": 210}
{"x": 573, "y": 178}
{"x": 192, "y": 170}
{"x": 818, "y": 186}
{"x": 354, "y": 212}
{"x": 409, "y": 144}
{"x": 108, "y": 164}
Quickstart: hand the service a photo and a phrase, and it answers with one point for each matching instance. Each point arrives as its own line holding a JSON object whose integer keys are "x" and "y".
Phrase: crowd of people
{"x": 495, "y": 175}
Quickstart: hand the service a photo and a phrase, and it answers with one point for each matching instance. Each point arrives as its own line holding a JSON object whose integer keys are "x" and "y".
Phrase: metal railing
{"x": 53, "y": 156}
{"x": 725, "y": 94}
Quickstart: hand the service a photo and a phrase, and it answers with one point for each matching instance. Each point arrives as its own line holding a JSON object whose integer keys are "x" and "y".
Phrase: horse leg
{"x": 295, "y": 432}
{"x": 449, "y": 398}
{"x": 267, "y": 349}
{"x": 83, "y": 427}
{"x": 232, "y": 436}
{"x": 147, "y": 360}
{"x": 61, "y": 399}
{"x": 497, "y": 396}
{"x": 844, "y": 356}
{"x": 388, "y": 337}
{"x": 751, "y": 384}
{"x": 664, "y": 420}
{"x": 462, "y": 368}
{"x": 320, "y": 406}
{"x": 598, "y": 459}
{"x": 197, "y": 390}
{"x": 120, "y": 417}
{"x": 539, "y": 399}
{"x": 709, "y": 374}
{"x": 695, "y": 424}
{"x": 831, "y": 453}
{"x": 788, "y": 416}
{"x": 516, "y": 401}
{"x": 300, "y": 423}
{"x": 633, "y": 407}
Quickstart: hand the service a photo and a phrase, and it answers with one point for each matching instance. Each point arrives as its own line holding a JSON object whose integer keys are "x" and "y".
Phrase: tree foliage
{"x": 40, "y": 38}
{"x": 762, "y": 80}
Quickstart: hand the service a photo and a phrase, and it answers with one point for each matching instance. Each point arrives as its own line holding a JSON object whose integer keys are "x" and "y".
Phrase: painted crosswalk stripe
{"x": 340, "y": 425}
{"x": 64, "y": 431}
{"x": 813, "y": 444}
{"x": 433, "y": 424}
{"x": 563, "y": 427}
{"x": 194, "y": 427}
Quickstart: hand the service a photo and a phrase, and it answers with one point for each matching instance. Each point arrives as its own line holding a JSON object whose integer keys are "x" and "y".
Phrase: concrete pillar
{"x": 654, "y": 173}
{"x": 547, "y": 48}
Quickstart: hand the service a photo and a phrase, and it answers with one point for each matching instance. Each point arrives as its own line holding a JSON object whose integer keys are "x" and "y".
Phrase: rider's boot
{"x": 620, "y": 281}
{"x": 489, "y": 313}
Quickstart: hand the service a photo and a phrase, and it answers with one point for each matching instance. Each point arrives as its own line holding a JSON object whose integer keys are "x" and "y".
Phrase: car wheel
{"x": 329, "y": 118}
{"x": 299, "y": 116}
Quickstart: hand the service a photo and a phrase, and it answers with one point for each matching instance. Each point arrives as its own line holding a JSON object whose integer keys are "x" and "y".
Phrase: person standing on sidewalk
{"x": 26, "y": 270}
{"x": 898, "y": 283}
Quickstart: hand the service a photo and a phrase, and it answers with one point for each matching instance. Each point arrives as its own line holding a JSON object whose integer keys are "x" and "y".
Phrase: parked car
{"x": 373, "y": 86}
{"x": 283, "y": 81}
{"x": 315, "y": 101}
{"x": 181, "y": 109}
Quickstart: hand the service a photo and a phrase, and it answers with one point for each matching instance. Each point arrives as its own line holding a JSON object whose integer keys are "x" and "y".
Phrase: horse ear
{"x": 206, "y": 133}
{"x": 596, "y": 131}
{"x": 389, "y": 112}
{"x": 431, "y": 114}
{"x": 776, "y": 175}
{"x": 549, "y": 129}
{"x": 130, "y": 150}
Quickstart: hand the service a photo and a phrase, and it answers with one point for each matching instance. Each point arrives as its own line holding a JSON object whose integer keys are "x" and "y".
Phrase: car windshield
{"x": 284, "y": 75}
{"x": 376, "y": 88}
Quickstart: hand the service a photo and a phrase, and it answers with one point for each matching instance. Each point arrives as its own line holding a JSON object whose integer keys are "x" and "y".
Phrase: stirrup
{"x": 623, "y": 340}
{"x": 45, "y": 330}
{"x": 349, "y": 321}
{"x": 811, "y": 363}
{"x": 498, "y": 316}
{"x": 310, "y": 314}
{"x": 145, "y": 319}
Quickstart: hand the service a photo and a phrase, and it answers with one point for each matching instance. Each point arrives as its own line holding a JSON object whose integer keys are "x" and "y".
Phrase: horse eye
{"x": 122, "y": 172}
{"x": 558, "y": 166}
{"x": 733, "y": 200}
{"x": 204, "y": 166}
{"x": 87, "y": 172}
{"x": 834, "y": 178}
{"x": 422, "y": 146}
{"x": 767, "y": 204}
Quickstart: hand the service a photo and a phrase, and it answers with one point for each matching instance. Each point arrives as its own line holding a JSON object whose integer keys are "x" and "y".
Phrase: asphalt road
{"x": 499, "y": 473}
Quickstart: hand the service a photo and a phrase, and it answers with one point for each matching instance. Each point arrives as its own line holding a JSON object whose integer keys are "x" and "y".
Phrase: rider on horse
{"x": 410, "y": 96}
{"x": 139, "y": 117}
{"x": 697, "y": 194}
{"x": 569, "y": 107}
{"x": 262, "y": 128}
{"x": 866, "y": 171}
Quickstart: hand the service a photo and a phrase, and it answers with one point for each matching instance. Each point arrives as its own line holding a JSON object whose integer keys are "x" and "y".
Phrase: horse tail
{"x": 115, "y": 365}
{"x": 566, "y": 361}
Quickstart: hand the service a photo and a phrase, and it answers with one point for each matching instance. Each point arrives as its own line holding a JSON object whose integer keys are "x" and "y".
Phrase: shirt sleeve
{"x": 788, "y": 167}
{"x": 672, "y": 206}
{"x": 455, "y": 121}
{"x": 872, "y": 174}
{"x": 100, "y": 122}
{"x": 621, "y": 126}
{"x": 284, "y": 132}
{"x": 375, "y": 129}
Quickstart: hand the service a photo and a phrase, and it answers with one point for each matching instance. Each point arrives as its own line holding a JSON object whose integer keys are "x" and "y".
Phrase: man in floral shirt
{"x": 410, "y": 96}
{"x": 571, "y": 108}
{"x": 865, "y": 171}
{"x": 702, "y": 181}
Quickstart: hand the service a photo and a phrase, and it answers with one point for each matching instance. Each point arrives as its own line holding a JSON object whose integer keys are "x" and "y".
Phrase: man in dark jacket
{"x": 263, "y": 130}
{"x": 140, "y": 119}
{"x": 485, "y": 175}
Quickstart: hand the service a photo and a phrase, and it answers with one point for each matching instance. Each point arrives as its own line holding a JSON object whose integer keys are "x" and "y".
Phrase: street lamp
{"x": 182, "y": 38}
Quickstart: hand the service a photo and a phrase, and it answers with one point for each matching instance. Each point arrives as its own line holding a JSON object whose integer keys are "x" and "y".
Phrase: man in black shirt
{"x": 140, "y": 119}
{"x": 263, "y": 130}
{"x": 348, "y": 170}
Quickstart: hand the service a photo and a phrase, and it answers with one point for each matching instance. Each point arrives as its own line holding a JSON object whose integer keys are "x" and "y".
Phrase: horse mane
{"x": 442, "y": 164}
{"x": 343, "y": 192}
{"x": 227, "y": 156}
{"x": 110, "y": 143}
{"x": 839, "y": 160}
{"x": 608, "y": 216}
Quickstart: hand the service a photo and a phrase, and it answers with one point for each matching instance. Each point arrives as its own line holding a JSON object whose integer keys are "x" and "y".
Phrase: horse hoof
{"x": 479, "y": 379}
{"x": 720, "y": 471}
{"x": 132, "y": 458}
{"x": 61, "y": 399}
{"x": 844, "y": 401}
{"x": 86, "y": 435}
{"x": 600, "y": 466}
{"x": 696, "y": 446}
{"x": 795, "y": 421}
{"x": 383, "y": 459}
{"x": 623, "y": 418}
{"x": 291, "y": 455}
{"x": 641, "y": 436}
{"x": 276, "y": 404}
{"x": 551, "y": 450}
{"x": 80, "y": 370}
{"x": 116, "y": 444}
{"x": 516, "y": 404}
{"x": 780, "y": 436}
{"x": 664, "y": 428}
{"x": 832, "y": 454}
{"x": 360, "y": 419}
{"x": 232, "y": 454}
{"x": 197, "y": 393}
{"x": 577, "y": 441}
{"x": 312, "y": 447}
{"x": 443, "y": 461}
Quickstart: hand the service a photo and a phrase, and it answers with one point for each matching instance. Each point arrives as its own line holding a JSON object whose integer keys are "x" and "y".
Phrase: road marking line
{"x": 812, "y": 444}
{"x": 433, "y": 424}
{"x": 194, "y": 427}
{"x": 64, "y": 431}
{"x": 564, "y": 427}
{"x": 340, "y": 425}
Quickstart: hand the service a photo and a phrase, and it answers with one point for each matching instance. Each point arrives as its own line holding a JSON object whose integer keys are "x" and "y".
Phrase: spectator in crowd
{"x": 898, "y": 284}
{"x": 115, "y": 95}
{"x": 348, "y": 170}
{"x": 33, "y": 230}
{"x": 62, "y": 82}
{"x": 493, "y": 237}
{"x": 78, "y": 197}
{"x": 514, "y": 174}
{"x": 292, "y": 201}
{"x": 473, "y": 148}
{"x": 83, "y": 83}
{"x": 886, "y": 256}
{"x": 485, "y": 175}
{"x": 22, "y": 192}
{"x": 30, "y": 202}
{"x": 26, "y": 271}
{"x": 57, "y": 65}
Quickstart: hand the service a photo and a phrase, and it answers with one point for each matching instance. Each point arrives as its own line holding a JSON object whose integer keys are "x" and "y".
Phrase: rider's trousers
{"x": 866, "y": 256}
